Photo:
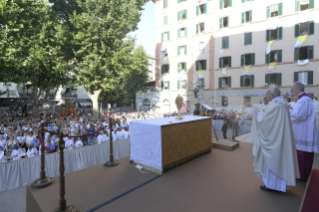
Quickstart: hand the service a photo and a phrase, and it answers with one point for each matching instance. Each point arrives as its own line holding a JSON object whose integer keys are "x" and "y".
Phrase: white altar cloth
{"x": 146, "y": 139}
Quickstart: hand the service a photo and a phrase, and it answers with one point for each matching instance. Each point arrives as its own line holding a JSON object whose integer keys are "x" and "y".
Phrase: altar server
{"x": 78, "y": 143}
{"x": 274, "y": 147}
{"x": 316, "y": 103}
{"x": 101, "y": 138}
{"x": 126, "y": 133}
{"x": 305, "y": 131}
{"x": 69, "y": 145}
{"x": 32, "y": 151}
{"x": 16, "y": 153}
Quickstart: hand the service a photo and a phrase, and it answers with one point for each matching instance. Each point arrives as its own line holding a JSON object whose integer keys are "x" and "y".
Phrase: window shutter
{"x": 178, "y": 67}
{"x": 167, "y": 35}
{"x": 168, "y": 85}
{"x": 310, "y": 77}
{"x": 197, "y": 65}
{"x": 220, "y": 23}
{"x": 267, "y": 76}
{"x": 178, "y": 16}
{"x": 280, "y": 33}
{"x": 205, "y": 8}
{"x": 228, "y": 24}
{"x": 178, "y": 85}
{"x": 241, "y": 81}
{"x": 221, "y": 62}
{"x": 229, "y": 62}
{"x": 250, "y": 15}
{"x": 162, "y": 85}
{"x": 185, "y": 50}
{"x": 197, "y": 28}
{"x": 185, "y": 12}
{"x": 296, "y": 54}
{"x": 311, "y": 28}
{"x": 162, "y": 37}
{"x": 204, "y": 65}
{"x": 223, "y": 42}
{"x": 219, "y": 82}
{"x": 250, "y": 38}
{"x": 242, "y": 18}
{"x": 221, "y": 4}
{"x": 279, "y": 9}
{"x": 278, "y": 79}
{"x": 252, "y": 80}
{"x": 230, "y": 3}
{"x": 162, "y": 69}
{"x": 252, "y": 56}
{"x": 167, "y": 66}
{"x": 267, "y": 58}
{"x": 297, "y": 30}
{"x": 268, "y": 11}
{"x": 229, "y": 82}
{"x": 245, "y": 39}
{"x": 296, "y": 76}
{"x": 311, "y": 4}
{"x": 242, "y": 1}
{"x": 178, "y": 50}
{"x": 197, "y": 10}
{"x": 185, "y": 66}
{"x": 178, "y": 33}
{"x": 310, "y": 52}
{"x": 297, "y": 6}
{"x": 242, "y": 61}
{"x": 267, "y": 35}
{"x": 179, "y": 1}
{"x": 227, "y": 42}
{"x": 185, "y": 31}
{"x": 279, "y": 56}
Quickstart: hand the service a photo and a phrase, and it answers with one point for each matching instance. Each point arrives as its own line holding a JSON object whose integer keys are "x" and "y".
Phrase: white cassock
{"x": 16, "y": 154}
{"x": 69, "y": 144}
{"x": 303, "y": 124}
{"x": 100, "y": 139}
{"x": 1, "y": 155}
{"x": 120, "y": 135}
{"x": 106, "y": 138}
{"x": 317, "y": 112}
{"x": 114, "y": 136}
{"x": 262, "y": 106}
{"x": 126, "y": 134}
{"x": 274, "y": 146}
{"x": 33, "y": 152}
{"x": 78, "y": 144}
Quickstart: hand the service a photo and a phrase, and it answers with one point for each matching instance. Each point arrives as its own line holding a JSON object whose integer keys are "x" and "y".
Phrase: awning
{"x": 207, "y": 106}
{"x": 85, "y": 103}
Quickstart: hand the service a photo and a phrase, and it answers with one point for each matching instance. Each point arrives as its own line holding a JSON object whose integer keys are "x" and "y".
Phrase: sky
{"x": 145, "y": 34}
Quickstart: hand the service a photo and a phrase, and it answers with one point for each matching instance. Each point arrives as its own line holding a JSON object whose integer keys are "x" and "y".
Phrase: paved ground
{"x": 15, "y": 200}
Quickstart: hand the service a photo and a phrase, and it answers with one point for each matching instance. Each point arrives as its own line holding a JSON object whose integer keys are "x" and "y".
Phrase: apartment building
{"x": 151, "y": 67}
{"x": 183, "y": 50}
{"x": 244, "y": 69}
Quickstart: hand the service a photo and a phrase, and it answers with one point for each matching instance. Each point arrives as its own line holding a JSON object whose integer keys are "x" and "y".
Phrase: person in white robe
{"x": 126, "y": 133}
{"x": 101, "y": 138}
{"x": 305, "y": 131}
{"x": 106, "y": 135}
{"x": 16, "y": 153}
{"x": 274, "y": 147}
{"x": 79, "y": 143}
{"x": 69, "y": 145}
{"x": 32, "y": 151}
{"x": 119, "y": 134}
{"x": 264, "y": 104}
{"x": 316, "y": 103}
{"x": 1, "y": 154}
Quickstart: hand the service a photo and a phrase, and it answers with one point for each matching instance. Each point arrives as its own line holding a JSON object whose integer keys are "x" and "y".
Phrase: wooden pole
{"x": 111, "y": 162}
{"x": 42, "y": 172}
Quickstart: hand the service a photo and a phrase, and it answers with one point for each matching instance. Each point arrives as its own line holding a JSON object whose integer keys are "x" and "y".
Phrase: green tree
{"x": 100, "y": 44}
{"x": 137, "y": 76}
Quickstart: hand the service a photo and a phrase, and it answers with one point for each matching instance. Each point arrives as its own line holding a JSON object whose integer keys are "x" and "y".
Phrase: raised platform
{"x": 225, "y": 144}
{"x": 221, "y": 181}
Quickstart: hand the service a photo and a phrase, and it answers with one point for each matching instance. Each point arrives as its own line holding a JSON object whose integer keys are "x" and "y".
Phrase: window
{"x": 200, "y": 28}
{"x": 179, "y": 1}
{"x": 224, "y": 62}
{"x": 303, "y": 53}
{"x": 165, "y": 3}
{"x": 165, "y": 69}
{"x": 248, "y": 59}
{"x": 248, "y": 38}
{"x": 223, "y": 22}
{"x": 200, "y": 65}
{"x": 247, "y": 81}
{"x": 225, "y": 4}
{"x": 305, "y": 77}
{"x": 181, "y": 84}
{"x": 165, "y": 36}
{"x": 246, "y": 99}
{"x": 275, "y": 34}
{"x": 273, "y": 79}
{"x": 182, "y": 15}
{"x": 182, "y": 32}
{"x": 182, "y": 50}
{"x": 247, "y": 17}
{"x": 274, "y": 10}
{"x": 201, "y": 47}
{"x": 165, "y": 85}
{"x": 201, "y": 83}
{"x": 224, "y": 82}
{"x": 304, "y": 5}
{"x": 306, "y": 28}
{"x": 225, "y": 42}
{"x": 165, "y": 20}
{"x": 224, "y": 101}
{"x": 201, "y": 9}
{"x": 181, "y": 67}
{"x": 274, "y": 56}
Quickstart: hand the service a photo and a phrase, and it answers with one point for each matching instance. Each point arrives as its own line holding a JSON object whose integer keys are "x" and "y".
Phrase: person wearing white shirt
{"x": 32, "y": 151}
{"x": 119, "y": 134}
{"x": 21, "y": 140}
{"x": 101, "y": 138}
{"x": 46, "y": 135}
{"x": 106, "y": 135}
{"x": 70, "y": 144}
{"x": 3, "y": 142}
{"x": 1, "y": 154}
{"x": 29, "y": 139}
{"x": 316, "y": 103}
{"x": 126, "y": 133}
{"x": 16, "y": 153}
{"x": 78, "y": 143}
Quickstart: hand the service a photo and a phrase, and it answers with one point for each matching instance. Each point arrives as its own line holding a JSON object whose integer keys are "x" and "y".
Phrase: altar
{"x": 160, "y": 144}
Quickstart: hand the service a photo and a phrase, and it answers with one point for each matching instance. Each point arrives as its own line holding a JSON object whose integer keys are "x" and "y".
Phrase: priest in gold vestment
{"x": 274, "y": 145}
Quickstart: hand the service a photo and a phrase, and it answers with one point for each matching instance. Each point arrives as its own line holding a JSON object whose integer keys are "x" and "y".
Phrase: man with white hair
{"x": 274, "y": 147}
{"x": 305, "y": 131}
{"x": 316, "y": 103}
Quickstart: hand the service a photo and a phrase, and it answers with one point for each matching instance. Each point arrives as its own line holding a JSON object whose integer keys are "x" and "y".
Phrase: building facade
{"x": 151, "y": 68}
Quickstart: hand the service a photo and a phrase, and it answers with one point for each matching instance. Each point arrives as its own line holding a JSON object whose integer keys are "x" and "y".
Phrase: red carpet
{"x": 311, "y": 202}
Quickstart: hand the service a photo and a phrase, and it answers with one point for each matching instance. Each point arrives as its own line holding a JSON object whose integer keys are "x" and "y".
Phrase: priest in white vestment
{"x": 305, "y": 131}
{"x": 274, "y": 146}
{"x": 316, "y": 103}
